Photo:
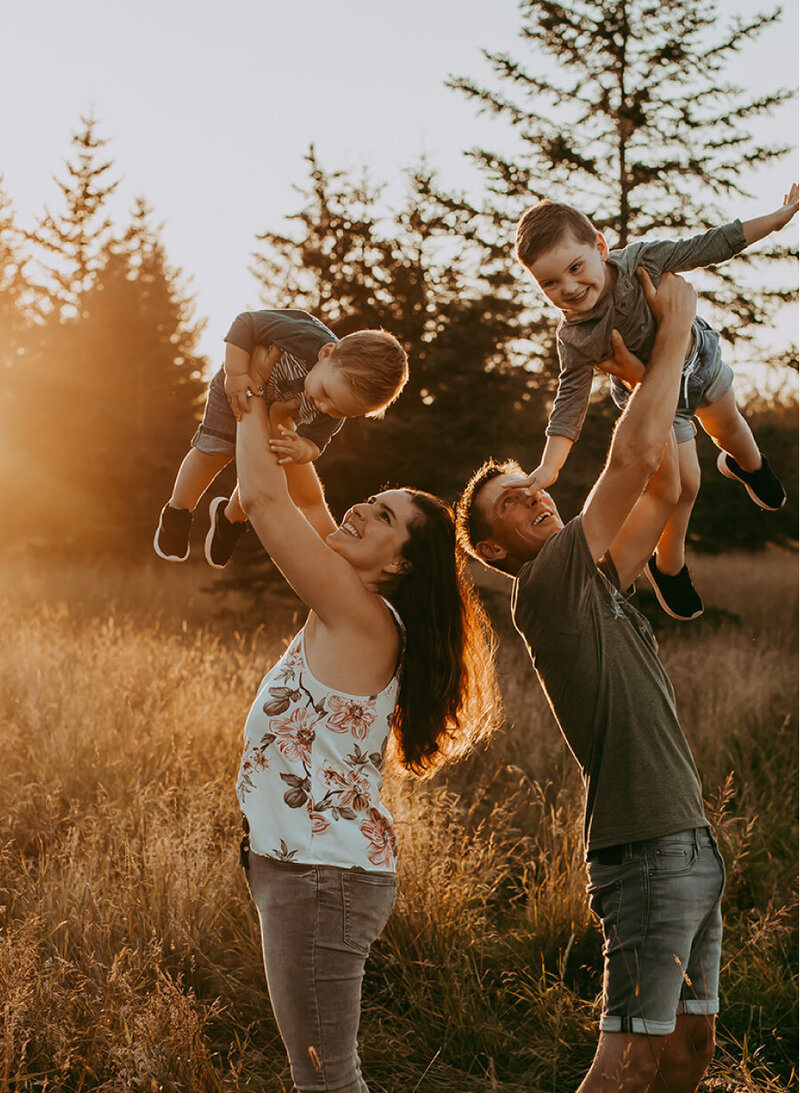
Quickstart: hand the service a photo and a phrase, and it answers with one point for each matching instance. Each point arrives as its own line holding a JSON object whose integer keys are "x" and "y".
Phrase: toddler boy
{"x": 597, "y": 292}
{"x": 326, "y": 379}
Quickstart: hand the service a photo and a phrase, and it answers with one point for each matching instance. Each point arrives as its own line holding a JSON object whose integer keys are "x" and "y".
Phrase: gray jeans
{"x": 317, "y": 925}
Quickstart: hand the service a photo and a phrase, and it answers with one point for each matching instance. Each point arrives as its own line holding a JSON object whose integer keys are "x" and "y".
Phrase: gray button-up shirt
{"x": 584, "y": 341}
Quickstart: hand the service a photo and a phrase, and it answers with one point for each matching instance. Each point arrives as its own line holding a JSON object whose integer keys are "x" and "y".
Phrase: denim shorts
{"x": 662, "y": 930}
{"x": 706, "y": 377}
{"x": 318, "y": 923}
{"x": 216, "y": 433}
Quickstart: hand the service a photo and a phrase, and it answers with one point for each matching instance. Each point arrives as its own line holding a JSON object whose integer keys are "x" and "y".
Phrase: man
{"x": 655, "y": 874}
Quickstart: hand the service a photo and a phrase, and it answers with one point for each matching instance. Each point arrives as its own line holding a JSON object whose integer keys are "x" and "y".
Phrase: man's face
{"x": 521, "y": 520}
{"x": 573, "y": 275}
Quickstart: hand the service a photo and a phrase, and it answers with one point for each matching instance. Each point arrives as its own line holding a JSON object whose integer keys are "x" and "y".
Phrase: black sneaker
{"x": 676, "y": 595}
{"x": 762, "y": 485}
{"x": 171, "y": 541}
{"x": 222, "y": 535}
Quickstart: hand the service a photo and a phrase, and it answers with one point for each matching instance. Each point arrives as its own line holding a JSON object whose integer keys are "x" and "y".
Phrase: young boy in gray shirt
{"x": 600, "y": 298}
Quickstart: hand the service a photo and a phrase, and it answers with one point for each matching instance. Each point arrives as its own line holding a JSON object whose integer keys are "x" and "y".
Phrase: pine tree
{"x": 16, "y": 292}
{"x": 338, "y": 265}
{"x": 74, "y": 240}
{"x": 354, "y": 262}
{"x": 107, "y": 400}
{"x": 135, "y": 383}
{"x": 18, "y": 396}
{"x": 357, "y": 263}
{"x": 624, "y": 109}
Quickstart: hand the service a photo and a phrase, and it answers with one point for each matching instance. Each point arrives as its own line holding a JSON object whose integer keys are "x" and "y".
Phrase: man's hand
{"x": 624, "y": 364}
{"x": 290, "y": 447}
{"x": 674, "y": 301}
{"x": 239, "y": 389}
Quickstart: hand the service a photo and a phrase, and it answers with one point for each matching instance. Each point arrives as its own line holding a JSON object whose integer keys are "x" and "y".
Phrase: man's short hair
{"x": 375, "y": 365}
{"x": 471, "y": 525}
{"x": 545, "y": 225}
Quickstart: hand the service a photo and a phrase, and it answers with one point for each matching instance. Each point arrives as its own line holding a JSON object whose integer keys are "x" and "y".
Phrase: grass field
{"x": 129, "y": 956}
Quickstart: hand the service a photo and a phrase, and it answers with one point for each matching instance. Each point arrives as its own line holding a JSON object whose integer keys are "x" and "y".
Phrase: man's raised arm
{"x": 642, "y": 431}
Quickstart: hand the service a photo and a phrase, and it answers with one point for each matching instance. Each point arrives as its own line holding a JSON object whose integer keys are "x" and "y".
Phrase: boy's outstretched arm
{"x": 554, "y": 456}
{"x": 557, "y": 448}
{"x": 763, "y": 226}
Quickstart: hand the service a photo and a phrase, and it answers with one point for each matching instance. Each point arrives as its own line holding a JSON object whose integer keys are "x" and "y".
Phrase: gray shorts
{"x": 706, "y": 377}
{"x": 216, "y": 433}
{"x": 662, "y": 927}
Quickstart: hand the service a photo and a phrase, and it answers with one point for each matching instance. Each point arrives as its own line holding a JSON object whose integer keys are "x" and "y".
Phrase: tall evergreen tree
{"x": 625, "y": 109}
{"x": 73, "y": 240}
{"x": 134, "y": 385}
{"x": 106, "y": 398}
{"x": 338, "y": 264}
{"x": 16, "y": 345}
{"x": 16, "y": 292}
{"x": 356, "y": 263}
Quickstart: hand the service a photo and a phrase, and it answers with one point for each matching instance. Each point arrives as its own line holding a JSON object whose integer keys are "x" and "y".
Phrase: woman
{"x": 394, "y": 646}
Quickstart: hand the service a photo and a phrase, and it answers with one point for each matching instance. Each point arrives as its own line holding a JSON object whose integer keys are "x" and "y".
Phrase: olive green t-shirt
{"x": 597, "y": 661}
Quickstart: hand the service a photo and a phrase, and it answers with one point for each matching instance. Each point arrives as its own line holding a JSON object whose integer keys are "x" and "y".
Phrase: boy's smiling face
{"x": 573, "y": 275}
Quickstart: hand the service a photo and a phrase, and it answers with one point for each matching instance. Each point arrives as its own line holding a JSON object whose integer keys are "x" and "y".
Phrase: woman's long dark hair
{"x": 448, "y": 698}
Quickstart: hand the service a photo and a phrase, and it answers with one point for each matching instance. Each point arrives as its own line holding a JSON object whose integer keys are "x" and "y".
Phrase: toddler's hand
{"x": 624, "y": 364}
{"x": 789, "y": 207}
{"x": 292, "y": 448}
{"x": 542, "y": 477}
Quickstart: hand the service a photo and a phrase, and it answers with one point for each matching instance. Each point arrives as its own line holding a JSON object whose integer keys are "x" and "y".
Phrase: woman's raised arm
{"x": 305, "y": 488}
{"x": 326, "y": 582}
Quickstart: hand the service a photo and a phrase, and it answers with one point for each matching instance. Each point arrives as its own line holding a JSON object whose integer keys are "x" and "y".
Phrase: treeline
{"x": 101, "y": 372}
{"x": 104, "y": 382}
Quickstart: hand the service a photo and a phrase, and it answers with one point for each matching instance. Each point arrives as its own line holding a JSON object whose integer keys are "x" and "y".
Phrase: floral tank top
{"x": 310, "y": 777}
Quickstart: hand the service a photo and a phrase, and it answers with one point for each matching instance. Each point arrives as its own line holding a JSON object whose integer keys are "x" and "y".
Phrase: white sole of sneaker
{"x": 212, "y": 516}
{"x": 724, "y": 469}
{"x": 662, "y": 603}
{"x": 168, "y": 557}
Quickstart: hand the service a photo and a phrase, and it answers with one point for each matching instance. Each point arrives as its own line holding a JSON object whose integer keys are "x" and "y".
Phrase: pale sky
{"x": 211, "y": 106}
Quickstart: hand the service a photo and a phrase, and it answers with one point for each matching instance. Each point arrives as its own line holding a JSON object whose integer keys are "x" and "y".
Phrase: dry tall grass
{"x": 129, "y": 955}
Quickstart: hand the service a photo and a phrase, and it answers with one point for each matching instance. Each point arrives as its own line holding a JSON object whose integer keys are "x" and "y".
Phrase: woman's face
{"x": 372, "y": 535}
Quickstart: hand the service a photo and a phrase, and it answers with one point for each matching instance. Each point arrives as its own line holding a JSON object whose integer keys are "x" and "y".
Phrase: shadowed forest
{"x": 129, "y": 952}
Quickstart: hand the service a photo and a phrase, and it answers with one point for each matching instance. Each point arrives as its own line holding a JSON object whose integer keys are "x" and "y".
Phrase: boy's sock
{"x": 762, "y": 485}
{"x": 171, "y": 541}
{"x": 222, "y": 535}
{"x": 676, "y": 594}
